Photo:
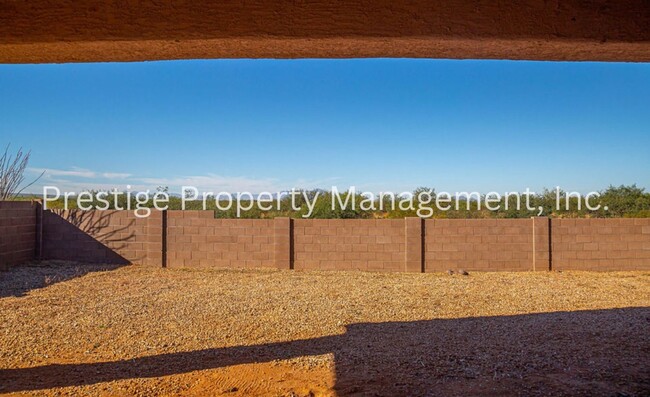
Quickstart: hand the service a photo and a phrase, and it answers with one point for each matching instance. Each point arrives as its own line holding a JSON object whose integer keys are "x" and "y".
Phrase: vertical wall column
{"x": 38, "y": 250}
{"x": 163, "y": 260}
{"x": 154, "y": 234}
{"x": 282, "y": 238}
{"x": 414, "y": 234}
{"x": 541, "y": 243}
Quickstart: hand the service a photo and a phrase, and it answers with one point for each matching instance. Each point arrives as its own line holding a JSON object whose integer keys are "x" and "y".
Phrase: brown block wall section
{"x": 349, "y": 244}
{"x": 116, "y": 237}
{"x": 196, "y": 238}
{"x": 282, "y": 243}
{"x": 18, "y": 232}
{"x": 541, "y": 243}
{"x": 478, "y": 244}
{"x": 601, "y": 244}
{"x": 414, "y": 245}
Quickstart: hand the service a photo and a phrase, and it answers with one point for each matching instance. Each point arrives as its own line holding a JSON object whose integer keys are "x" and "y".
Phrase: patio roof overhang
{"x": 42, "y": 31}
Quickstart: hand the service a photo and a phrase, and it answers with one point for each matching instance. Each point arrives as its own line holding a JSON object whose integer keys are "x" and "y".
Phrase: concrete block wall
{"x": 601, "y": 244}
{"x": 18, "y": 232}
{"x": 116, "y": 237}
{"x": 349, "y": 244}
{"x": 197, "y": 239}
{"x": 478, "y": 244}
{"x": 283, "y": 243}
{"x": 414, "y": 250}
{"x": 542, "y": 259}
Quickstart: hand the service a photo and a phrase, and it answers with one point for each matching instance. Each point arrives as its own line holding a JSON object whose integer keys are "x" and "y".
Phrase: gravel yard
{"x": 93, "y": 330}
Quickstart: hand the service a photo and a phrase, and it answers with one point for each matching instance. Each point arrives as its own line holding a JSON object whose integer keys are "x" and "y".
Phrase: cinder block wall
{"x": 18, "y": 232}
{"x": 196, "y": 238}
{"x": 358, "y": 244}
{"x": 478, "y": 244}
{"x": 116, "y": 237}
{"x": 601, "y": 244}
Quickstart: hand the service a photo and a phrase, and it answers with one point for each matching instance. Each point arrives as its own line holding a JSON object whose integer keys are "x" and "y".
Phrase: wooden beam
{"x": 42, "y": 31}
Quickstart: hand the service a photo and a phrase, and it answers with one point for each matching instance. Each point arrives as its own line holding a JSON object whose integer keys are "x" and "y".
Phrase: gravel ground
{"x": 69, "y": 329}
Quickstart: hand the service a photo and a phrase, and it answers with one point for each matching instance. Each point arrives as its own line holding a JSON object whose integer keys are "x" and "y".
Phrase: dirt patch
{"x": 143, "y": 331}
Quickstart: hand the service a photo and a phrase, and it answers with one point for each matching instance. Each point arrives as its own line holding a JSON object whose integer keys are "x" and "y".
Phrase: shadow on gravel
{"x": 75, "y": 243}
{"x": 598, "y": 352}
{"x": 21, "y": 279}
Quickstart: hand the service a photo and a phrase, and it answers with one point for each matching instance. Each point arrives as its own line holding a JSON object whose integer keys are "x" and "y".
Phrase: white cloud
{"x": 216, "y": 183}
{"x": 115, "y": 175}
{"x": 76, "y": 172}
{"x": 78, "y": 179}
{"x": 79, "y": 186}
{"x": 79, "y": 173}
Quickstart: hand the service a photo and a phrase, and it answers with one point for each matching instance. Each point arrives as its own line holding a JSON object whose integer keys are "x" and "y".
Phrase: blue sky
{"x": 379, "y": 124}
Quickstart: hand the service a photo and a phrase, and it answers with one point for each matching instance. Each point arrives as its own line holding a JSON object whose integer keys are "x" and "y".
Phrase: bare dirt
{"x": 68, "y": 329}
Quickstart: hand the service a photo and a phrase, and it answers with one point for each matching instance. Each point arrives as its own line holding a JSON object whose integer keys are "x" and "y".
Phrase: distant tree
{"x": 626, "y": 200}
{"x": 12, "y": 173}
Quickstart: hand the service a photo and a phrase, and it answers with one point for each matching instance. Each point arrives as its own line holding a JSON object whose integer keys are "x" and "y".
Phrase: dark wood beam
{"x": 42, "y": 31}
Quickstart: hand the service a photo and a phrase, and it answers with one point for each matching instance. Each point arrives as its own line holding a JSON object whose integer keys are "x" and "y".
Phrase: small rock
{"x": 462, "y": 272}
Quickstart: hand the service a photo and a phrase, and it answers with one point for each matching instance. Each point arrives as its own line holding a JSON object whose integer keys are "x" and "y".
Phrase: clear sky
{"x": 379, "y": 124}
